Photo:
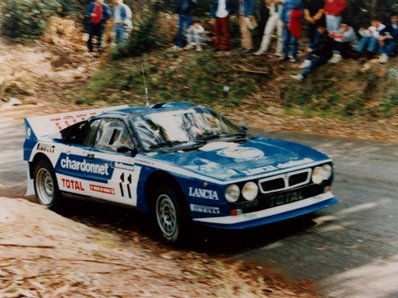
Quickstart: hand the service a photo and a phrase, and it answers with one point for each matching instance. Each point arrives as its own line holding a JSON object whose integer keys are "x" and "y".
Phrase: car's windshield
{"x": 183, "y": 127}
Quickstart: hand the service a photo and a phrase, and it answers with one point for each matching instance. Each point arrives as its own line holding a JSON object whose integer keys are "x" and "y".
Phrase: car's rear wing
{"x": 39, "y": 126}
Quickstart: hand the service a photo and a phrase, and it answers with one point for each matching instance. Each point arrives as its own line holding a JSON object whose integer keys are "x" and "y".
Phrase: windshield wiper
{"x": 212, "y": 136}
{"x": 178, "y": 145}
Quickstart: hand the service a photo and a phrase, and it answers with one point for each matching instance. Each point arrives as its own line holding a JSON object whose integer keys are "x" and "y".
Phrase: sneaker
{"x": 335, "y": 59}
{"x": 189, "y": 47}
{"x": 199, "y": 48}
{"x": 298, "y": 77}
{"x": 306, "y": 63}
{"x": 176, "y": 48}
{"x": 292, "y": 59}
{"x": 383, "y": 58}
{"x": 259, "y": 53}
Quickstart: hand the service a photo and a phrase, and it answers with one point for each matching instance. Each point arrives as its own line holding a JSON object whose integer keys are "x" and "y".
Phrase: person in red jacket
{"x": 295, "y": 22}
{"x": 333, "y": 11}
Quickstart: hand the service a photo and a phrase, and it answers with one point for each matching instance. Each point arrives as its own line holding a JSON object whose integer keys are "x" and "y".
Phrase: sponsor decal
{"x": 205, "y": 209}
{"x": 45, "y": 148}
{"x": 285, "y": 198}
{"x": 144, "y": 162}
{"x": 124, "y": 166}
{"x": 68, "y": 120}
{"x": 260, "y": 170}
{"x": 294, "y": 163}
{"x": 72, "y": 184}
{"x": 245, "y": 153}
{"x": 203, "y": 193}
{"x": 102, "y": 189}
{"x": 79, "y": 164}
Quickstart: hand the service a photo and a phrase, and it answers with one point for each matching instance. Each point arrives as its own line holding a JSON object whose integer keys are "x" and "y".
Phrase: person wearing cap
{"x": 319, "y": 54}
{"x": 388, "y": 39}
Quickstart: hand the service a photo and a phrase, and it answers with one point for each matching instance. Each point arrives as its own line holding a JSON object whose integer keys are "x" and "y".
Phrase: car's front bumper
{"x": 275, "y": 214}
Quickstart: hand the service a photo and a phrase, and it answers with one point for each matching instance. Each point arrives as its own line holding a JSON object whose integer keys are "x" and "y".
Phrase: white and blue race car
{"x": 177, "y": 161}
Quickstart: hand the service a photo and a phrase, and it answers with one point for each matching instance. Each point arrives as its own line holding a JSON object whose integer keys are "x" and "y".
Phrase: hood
{"x": 228, "y": 160}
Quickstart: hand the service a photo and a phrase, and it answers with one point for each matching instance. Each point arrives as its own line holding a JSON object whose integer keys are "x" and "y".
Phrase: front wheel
{"x": 46, "y": 187}
{"x": 168, "y": 215}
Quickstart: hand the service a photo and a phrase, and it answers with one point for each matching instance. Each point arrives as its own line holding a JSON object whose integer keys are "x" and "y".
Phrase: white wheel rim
{"x": 44, "y": 186}
{"x": 166, "y": 216}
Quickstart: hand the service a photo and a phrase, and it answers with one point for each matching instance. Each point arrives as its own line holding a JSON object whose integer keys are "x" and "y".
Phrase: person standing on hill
{"x": 97, "y": 13}
{"x": 247, "y": 22}
{"x": 273, "y": 23}
{"x": 220, "y": 11}
{"x": 122, "y": 21}
{"x": 290, "y": 42}
{"x": 389, "y": 39}
{"x": 184, "y": 10}
{"x": 333, "y": 12}
{"x": 314, "y": 15}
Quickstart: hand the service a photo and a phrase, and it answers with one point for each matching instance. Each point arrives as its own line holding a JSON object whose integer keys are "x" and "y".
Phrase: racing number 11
{"x": 122, "y": 183}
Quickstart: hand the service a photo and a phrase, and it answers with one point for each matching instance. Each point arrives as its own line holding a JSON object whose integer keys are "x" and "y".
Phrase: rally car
{"x": 180, "y": 162}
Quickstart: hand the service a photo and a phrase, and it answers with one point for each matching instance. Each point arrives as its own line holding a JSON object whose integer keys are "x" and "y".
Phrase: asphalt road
{"x": 349, "y": 250}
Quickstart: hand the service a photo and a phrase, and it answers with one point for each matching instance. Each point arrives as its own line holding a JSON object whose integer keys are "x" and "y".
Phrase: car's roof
{"x": 136, "y": 111}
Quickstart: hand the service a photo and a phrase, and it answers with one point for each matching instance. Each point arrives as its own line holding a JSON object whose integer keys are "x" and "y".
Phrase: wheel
{"x": 168, "y": 215}
{"x": 46, "y": 187}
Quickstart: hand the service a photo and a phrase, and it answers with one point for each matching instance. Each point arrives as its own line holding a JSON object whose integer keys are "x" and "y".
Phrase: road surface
{"x": 349, "y": 250}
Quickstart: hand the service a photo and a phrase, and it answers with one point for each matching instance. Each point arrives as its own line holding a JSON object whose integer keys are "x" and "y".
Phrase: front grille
{"x": 274, "y": 184}
{"x": 285, "y": 181}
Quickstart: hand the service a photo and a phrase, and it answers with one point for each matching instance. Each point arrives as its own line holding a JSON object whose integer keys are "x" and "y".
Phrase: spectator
{"x": 314, "y": 15}
{"x": 122, "y": 21}
{"x": 184, "y": 10}
{"x": 195, "y": 36}
{"x": 220, "y": 11}
{"x": 247, "y": 22}
{"x": 273, "y": 23}
{"x": 389, "y": 39}
{"x": 369, "y": 42}
{"x": 97, "y": 13}
{"x": 345, "y": 43}
{"x": 333, "y": 11}
{"x": 319, "y": 54}
{"x": 289, "y": 41}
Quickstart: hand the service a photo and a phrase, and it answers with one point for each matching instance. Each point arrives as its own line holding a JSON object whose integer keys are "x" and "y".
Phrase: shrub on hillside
{"x": 26, "y": 19}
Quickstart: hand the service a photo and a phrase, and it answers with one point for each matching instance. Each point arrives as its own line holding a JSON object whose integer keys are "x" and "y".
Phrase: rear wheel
{"x": 46, "y": 187}
{"x": 169, "y": 218}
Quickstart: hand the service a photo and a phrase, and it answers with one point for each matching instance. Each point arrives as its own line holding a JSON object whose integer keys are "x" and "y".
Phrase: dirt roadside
{"x": 43, "y": 254}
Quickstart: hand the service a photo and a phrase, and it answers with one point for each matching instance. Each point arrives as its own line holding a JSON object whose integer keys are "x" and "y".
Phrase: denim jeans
{"x": 369, "y": 43}
{"x": 316, "y": 61}
{"x": 390, "y": 48}
{"x": 184, "y": 21}
{"x": 289, "y": 42}
{"x": 119, "y": 33}
{"x": 95, "y": 31}
{"x": 333, "y": 23}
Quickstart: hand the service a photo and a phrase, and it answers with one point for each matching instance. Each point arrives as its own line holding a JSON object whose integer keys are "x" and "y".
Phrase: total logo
{"x": 72, "y": 184}
{"x": 203, "y": 193}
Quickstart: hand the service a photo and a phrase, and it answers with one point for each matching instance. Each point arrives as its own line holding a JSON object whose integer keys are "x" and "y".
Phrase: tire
{"x": 46, "y": 186}
{"x": 168, "y": 215}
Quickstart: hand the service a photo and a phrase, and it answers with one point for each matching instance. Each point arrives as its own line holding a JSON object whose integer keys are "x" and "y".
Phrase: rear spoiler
{"x": 40, "y": 126}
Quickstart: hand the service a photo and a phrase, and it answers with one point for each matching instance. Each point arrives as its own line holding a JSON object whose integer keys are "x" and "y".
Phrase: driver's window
{"x": 112, "y": 134}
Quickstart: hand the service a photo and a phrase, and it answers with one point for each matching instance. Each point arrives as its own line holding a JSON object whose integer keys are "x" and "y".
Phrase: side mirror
{"x": 126, "y": 149}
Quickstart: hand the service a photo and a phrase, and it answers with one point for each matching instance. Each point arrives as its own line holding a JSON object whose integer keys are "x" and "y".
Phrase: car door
{"x": 112, "y": 158}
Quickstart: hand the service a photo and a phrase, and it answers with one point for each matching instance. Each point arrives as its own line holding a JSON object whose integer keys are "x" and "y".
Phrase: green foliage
{"x": 198, "y": 77}
{"x": 26, "y": 19}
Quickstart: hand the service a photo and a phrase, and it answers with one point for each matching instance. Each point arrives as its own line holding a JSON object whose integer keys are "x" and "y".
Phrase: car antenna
{"x": 145, "y": 85}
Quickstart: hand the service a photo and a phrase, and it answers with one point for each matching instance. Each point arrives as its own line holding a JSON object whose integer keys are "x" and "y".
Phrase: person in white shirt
{"x": 273, "y": 23}
{"x": 370, "y": 37}
{"x": 122, "y": 20}
{"x": 195, "y": 36}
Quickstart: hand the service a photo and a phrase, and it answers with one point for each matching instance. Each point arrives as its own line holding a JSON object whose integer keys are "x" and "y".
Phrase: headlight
{"x": 250, "y": 191}
{"x": 232, "y": 193}
{"x": 321, "y": 173}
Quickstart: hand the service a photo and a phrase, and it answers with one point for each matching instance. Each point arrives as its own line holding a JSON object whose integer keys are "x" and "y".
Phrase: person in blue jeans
{"x": 97, "y": 14}
{"x": 289, "y": 41}
{"x": 122, "y": 21}
{"x": 320, "y": 54}
{"x": 389, "y": 39}
{"x": 369, "y": 43}
{"x": 184, "y": 10}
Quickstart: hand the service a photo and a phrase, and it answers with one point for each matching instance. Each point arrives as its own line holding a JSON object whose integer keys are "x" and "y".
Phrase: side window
{"x": 112, "y": 134}
{"x": 91, "y": 130}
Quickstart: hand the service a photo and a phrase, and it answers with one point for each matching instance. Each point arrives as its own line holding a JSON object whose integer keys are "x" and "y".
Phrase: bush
{"x": 26, "y": 19}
